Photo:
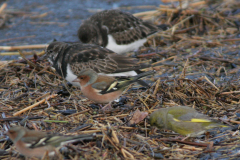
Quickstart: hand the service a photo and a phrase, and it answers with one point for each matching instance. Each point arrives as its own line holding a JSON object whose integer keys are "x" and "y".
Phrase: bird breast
{"x": 95, "y": 96}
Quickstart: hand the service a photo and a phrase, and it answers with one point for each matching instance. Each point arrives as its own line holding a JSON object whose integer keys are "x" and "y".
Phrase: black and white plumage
{"x": 70, "y": 59}
{"x": 118, "y": 31}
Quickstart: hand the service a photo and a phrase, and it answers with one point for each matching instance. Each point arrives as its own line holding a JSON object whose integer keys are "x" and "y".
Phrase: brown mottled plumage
{"x": 70, "y": 59}
{"x": 122, "y": 26}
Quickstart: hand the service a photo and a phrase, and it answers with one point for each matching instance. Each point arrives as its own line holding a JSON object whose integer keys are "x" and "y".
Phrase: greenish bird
{"x": 183, "y": 120}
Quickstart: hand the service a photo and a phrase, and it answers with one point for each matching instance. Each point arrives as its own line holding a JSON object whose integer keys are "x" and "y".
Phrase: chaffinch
{"x": 116, "y": 30}
{"x": 33, "y": 143}
{"x": 104, "y": 89}
{"x": 69, "y": 59}
{"x": 183, "y": 120}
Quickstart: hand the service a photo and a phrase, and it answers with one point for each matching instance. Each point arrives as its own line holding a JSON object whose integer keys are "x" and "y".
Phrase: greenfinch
{"x": 183, "y": 120}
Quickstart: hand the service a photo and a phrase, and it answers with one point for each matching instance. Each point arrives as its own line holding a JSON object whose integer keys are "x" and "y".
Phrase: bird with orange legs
{"x": 105, "y": 89}
{"x": 32, "y": 143}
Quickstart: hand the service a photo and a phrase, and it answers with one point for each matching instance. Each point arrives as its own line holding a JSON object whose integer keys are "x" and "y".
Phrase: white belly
{"x": 124, "y": 48}
{"x": 70, "y": 76}
{"x": 129, "y": 73}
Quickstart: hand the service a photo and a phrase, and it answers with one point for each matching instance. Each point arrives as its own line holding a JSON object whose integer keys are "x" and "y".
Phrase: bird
{"x": 69, "y": 59}
{"x": 105, "y": 89}
{"x": 183, "y": 120}
{"x": 116, "y": 30}
{"x": 32, "y": 143}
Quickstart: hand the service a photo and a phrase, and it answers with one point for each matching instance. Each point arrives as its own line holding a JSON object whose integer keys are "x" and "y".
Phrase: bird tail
{"x": 124, "y": 82}
{"x": 72, "y": 139}
{"x": 141, "y": 75}
{"x": 58, "y": 141}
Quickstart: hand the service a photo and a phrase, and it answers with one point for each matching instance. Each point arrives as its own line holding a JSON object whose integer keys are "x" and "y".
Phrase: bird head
{"x": 157, "y": 119}
{"x": 89, "y": 33}
{"x": 16, "y": 133}
{"x": 53, "y": 50}
{"x": 86, "y": 77}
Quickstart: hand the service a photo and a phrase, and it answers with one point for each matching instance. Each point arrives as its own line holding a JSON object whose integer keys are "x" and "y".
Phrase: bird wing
{"x": 99, "y": 59}
{"x": 104, "y": 83}
{"x": 123, "y": 26}
{"x": 31, "y": 140}
{"x": 188, "y": 114}
{"x": 57, "y": 141}
{"x": 32, "y": 136}
{"x": 120, "y": 83}
{"x": 49, "y": 140}
{"x": 100, "y": 86}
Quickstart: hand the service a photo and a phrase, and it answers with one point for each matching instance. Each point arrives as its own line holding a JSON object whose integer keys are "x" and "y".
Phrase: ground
{"x": 197, "y": 65}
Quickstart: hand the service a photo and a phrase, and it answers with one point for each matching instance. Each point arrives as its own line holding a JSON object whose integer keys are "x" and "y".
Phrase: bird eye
{"x": 81, "y": 77}
{"x": 50, "y": 51}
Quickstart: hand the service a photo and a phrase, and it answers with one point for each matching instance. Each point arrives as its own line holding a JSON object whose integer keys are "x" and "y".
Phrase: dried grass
{"x": 197, "y": 65}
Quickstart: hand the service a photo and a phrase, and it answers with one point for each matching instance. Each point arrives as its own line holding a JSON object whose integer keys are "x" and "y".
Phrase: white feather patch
{"x": 27, "y": 144}
{"x": 97, "y": 91}
{"x": 129, "y": 73}
{"x": 51, "y": 153}
{"x": 120, "y": 49}
{"x": 70, "y": 76}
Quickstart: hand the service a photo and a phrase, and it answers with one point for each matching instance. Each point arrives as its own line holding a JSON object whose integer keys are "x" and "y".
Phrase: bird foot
{"x": 107, "y": 107}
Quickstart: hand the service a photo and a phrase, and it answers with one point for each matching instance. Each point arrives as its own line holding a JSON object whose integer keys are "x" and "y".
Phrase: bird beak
{"x": 76, "y": 80}
{"x": 19, "y": 136}
{"x": 43, "y": 57}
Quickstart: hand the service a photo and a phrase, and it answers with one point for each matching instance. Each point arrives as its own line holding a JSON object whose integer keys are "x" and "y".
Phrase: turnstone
{"x": 118, "y": 31}
{"x": 105, "y": 89}
{"x": 70, "y": 59}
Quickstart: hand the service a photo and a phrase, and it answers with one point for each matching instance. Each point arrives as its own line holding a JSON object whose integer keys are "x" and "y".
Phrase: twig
{"x": 185, "y": 30}
{"x": 3, "y": 6}
{"x": 29, "y": 62}
{"x": 173, "y": 57}
{"x": 143, "y": 102}
{"x": 156, "y": 87}
{"x": 35, "y": 46}
{"x": 49, "y": 23}
{"x": 183, "y": 74}
{"x": 75, "y": 114}
{"x": 185, "y": 142}
{"x": 210, "y": 82}
{"x": 230, "y": 40}
{"x": 54, "y": 121}
{"x": 181, "y": 22}
{"x": 24, "y": 53}
{"x": 139, "y": 7}
{"x": 230, "y": 92}
{"x": 34, "y": 105}
{"x": 145, "y": 13}
{"x": 10, "y": 39}
{"x": 229, "y": 120}
{"x": 3, "y": 64}
{"x": 125, "y": 153}
{"x": 218, "y": 59}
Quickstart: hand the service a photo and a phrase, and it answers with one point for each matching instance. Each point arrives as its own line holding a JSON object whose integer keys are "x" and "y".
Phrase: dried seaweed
{"x": 197, "y": 64}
